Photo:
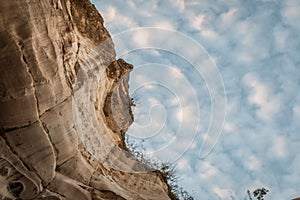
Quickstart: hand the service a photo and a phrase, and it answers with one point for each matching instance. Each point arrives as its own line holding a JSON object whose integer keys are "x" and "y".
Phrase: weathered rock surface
{"x": 64, "y": 107}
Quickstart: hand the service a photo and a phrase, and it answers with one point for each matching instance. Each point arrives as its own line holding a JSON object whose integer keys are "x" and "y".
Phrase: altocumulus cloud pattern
{"x": 251, "y": 54}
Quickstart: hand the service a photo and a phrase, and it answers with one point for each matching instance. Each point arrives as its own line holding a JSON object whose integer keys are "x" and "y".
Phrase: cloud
{"x": 261, "y": 95}
{"x": 207, "y": 171}
{"x": 141, "y": 38}
{"x": 290, "y": 13}
{"x": 256, "y": 47}
{"x": 223, "y": 193}
{"x": 228, "y": 18}
{"x": 279, "y": 148}
{"x": 296, "y": 113}
{"x": 180, "y": 4}
{"x": 198, "y": 21}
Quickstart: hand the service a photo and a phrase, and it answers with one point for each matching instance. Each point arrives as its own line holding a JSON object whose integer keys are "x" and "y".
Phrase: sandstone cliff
{"x": 64, "y": 107}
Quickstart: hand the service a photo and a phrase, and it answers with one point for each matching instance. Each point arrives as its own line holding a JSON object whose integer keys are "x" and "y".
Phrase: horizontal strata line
{"x": 3, "y": 130}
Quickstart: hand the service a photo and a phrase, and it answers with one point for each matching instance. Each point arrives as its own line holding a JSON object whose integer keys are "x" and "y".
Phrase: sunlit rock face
{"x": 64, "y": 107}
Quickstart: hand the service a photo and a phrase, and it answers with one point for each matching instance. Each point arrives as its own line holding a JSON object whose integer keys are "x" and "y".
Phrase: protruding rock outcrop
{"x": 64, "y": 107}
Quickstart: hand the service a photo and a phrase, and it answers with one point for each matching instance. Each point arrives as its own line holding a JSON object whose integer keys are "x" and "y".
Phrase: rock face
{"x": 65, "y": 108}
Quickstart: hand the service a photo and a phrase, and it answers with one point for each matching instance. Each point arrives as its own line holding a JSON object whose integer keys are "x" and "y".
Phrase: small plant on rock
{"x": 135, "y": 101}
{"x": 166, "y": 169}
{"x": 258, "y": 193}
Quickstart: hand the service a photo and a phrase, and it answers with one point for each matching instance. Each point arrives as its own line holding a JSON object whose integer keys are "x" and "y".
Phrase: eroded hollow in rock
{"x": 15, "y": 188}
{"x": 3, "y": 171}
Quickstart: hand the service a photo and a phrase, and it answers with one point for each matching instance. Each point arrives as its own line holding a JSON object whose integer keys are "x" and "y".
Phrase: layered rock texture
{"x": 64, "y": 107}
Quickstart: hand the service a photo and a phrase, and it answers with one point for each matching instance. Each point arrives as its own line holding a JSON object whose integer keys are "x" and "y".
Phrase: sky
{"x": 215, "y": 85}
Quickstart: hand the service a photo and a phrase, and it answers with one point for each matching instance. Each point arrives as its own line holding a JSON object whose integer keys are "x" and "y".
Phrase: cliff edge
{"x": 65, "y": 108}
